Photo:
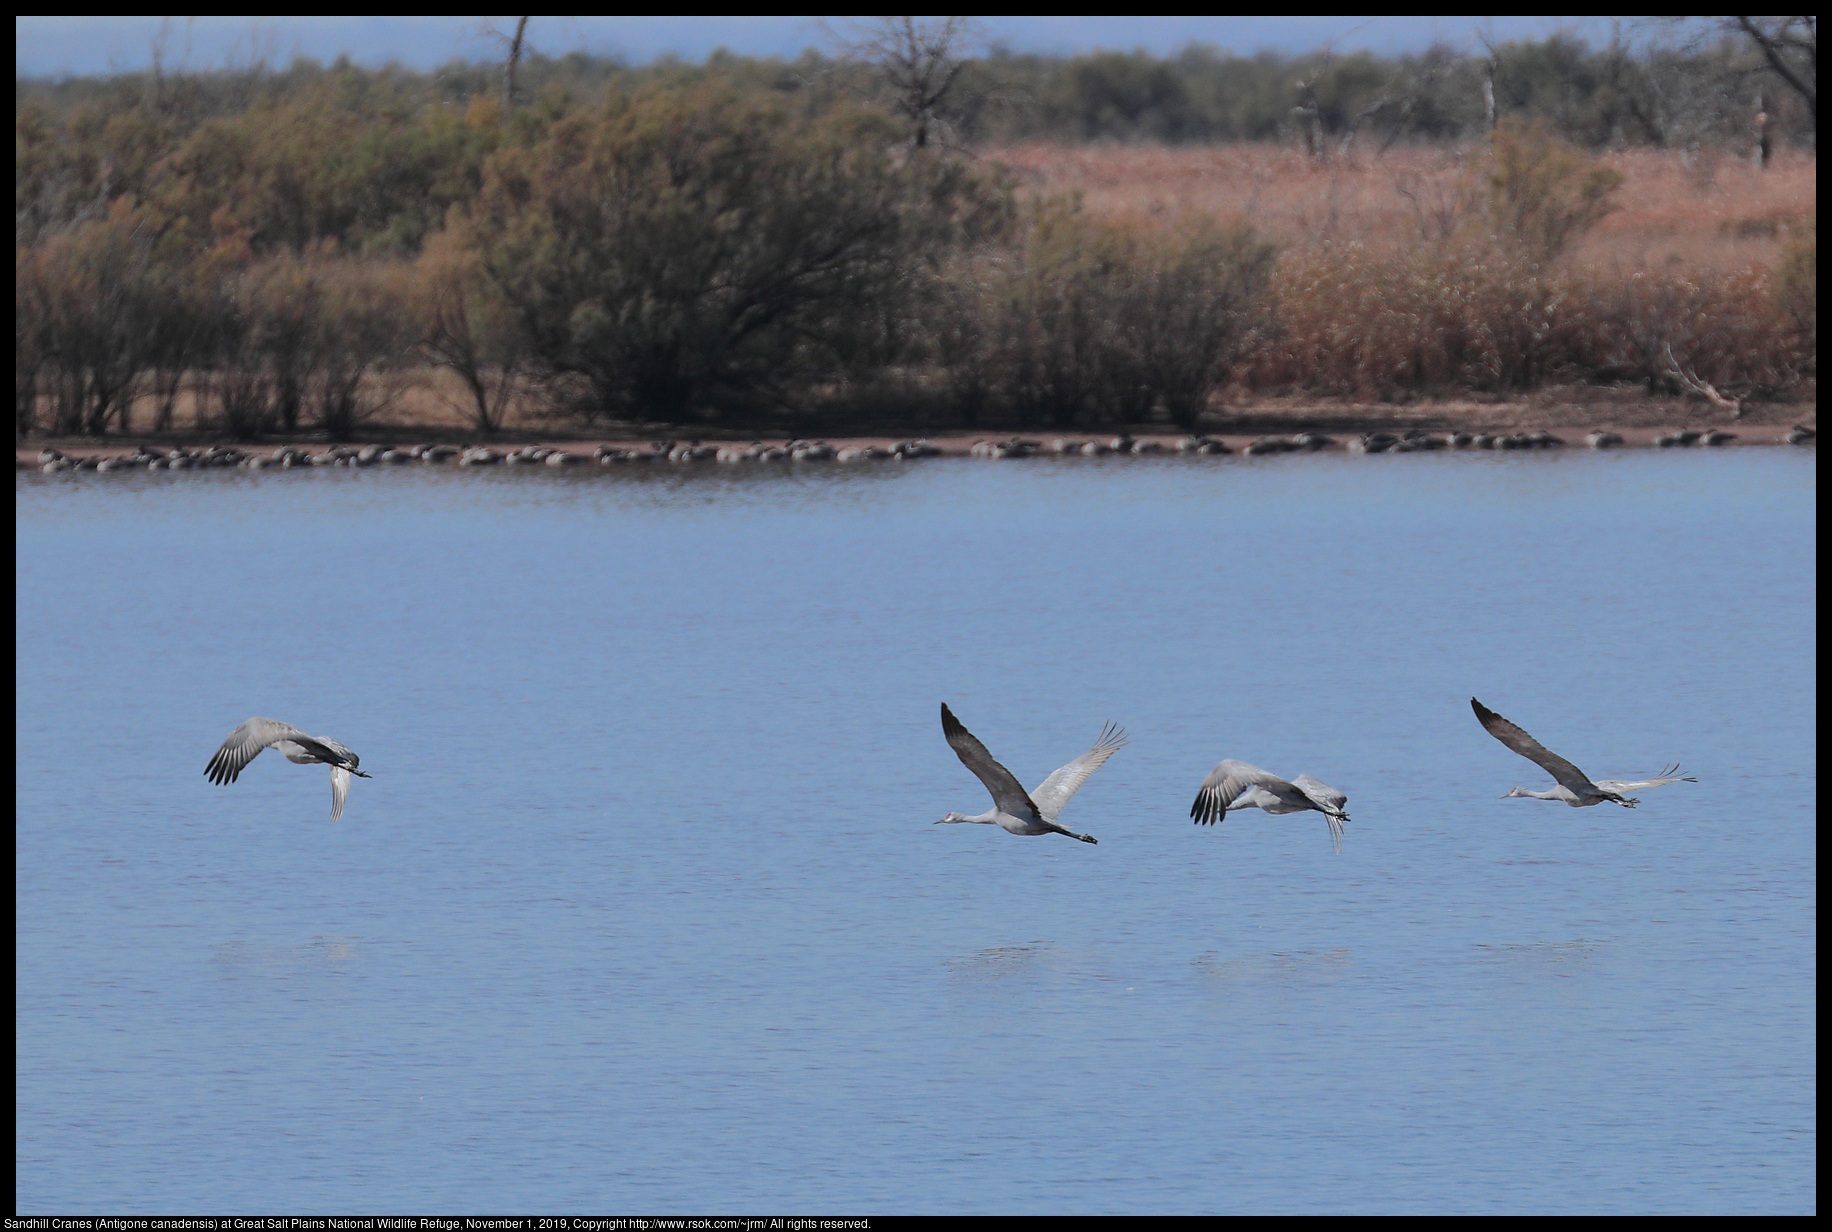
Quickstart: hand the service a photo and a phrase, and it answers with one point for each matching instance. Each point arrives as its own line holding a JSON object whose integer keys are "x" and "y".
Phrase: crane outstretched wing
{"x": 1054, "y": 792}
{"x": 1568, "y": 775}
{"x": 1670, "y": 775}
{"x": 245, "y": 743}
{"x": 1007, "y": 793}
{"x": 1225, "y": 784}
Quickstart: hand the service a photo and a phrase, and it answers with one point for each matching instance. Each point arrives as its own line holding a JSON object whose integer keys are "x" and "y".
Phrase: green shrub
{"x": 1087, "y": 321}
{"x": 1181, "y": 312}
{"x": 684, "y": 248}
{"x": 1542, "y": 192}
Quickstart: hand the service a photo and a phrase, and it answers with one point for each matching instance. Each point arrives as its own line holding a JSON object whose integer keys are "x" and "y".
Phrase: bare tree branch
{"x": 514, "y": 43}
{"x": 920, "y": 59}
{"x": 1778, "y": 41}
{"x": 1692, "y": 381}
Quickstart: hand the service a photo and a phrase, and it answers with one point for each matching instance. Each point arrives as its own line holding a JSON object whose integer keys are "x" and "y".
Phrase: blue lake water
{"x": 644, "y": 911}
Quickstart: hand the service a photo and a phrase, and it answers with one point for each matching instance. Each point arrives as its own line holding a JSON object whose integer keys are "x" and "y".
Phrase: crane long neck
{"x": 989, "y": 818}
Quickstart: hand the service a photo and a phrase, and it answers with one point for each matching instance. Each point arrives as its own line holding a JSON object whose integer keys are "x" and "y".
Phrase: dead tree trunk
{"x": 515, "y": 59}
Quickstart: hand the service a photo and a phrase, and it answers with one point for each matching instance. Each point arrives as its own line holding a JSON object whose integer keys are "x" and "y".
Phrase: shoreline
{"x": 1566, "y": 412}
{"x": 138, "y": 452}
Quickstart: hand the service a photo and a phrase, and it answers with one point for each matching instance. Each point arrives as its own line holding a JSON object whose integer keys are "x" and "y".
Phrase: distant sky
{"x": 53, "y": 46}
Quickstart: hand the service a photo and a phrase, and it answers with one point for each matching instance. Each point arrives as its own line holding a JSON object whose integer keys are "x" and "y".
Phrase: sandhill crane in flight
{"x": 1013, "y": 810}
{"x": 246, "y": 742}
{"x": 1574, "y": 787}
{"x": 1237, "y": 785}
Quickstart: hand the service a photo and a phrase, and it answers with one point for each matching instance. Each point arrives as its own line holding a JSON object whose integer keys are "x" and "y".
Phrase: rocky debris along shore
{"x": 96, "y": 457}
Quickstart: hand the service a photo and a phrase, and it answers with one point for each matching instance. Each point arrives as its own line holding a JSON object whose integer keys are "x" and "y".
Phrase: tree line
{"x": 1658, "y": 92}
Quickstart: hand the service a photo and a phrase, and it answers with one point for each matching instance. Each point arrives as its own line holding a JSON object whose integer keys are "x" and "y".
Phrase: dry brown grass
{"x": 1713, "y": 210}
{"x": 1391, "y": 286}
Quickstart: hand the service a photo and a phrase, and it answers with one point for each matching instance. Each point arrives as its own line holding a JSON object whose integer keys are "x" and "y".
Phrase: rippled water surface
{"x": 643, "y": 910}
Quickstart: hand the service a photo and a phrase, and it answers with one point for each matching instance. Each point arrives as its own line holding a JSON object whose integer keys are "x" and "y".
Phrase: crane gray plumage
{"x": 246, "y": 742}
{"x": 1015, "y": 810}
{"x": 1236, "y": 785}
{"x": 1574, "y": 786}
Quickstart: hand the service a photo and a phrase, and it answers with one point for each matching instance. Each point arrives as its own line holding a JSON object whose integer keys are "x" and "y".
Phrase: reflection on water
{"x": 1305, "y": 966}
{"x": 1549, "y": 952}
{"x": 644, "y": 907}
{"x": 1539, "y": 959}
{"x": 999, "y": 962}
{"x": 327, "y": 952}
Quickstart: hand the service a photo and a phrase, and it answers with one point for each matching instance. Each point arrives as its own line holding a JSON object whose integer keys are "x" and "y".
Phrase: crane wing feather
{"x": 1329, "y": 802}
